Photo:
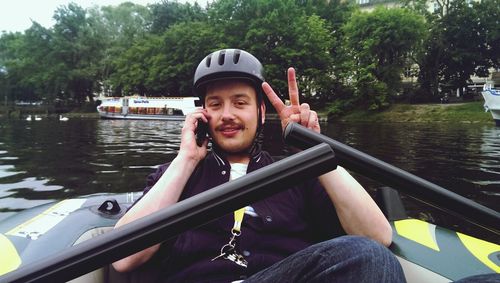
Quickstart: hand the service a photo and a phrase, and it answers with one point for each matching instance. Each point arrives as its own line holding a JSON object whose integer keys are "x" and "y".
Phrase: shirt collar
{"x": 256, "y": 161}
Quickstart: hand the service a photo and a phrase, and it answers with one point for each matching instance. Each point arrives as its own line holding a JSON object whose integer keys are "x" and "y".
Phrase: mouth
{"x": 229, "y": 130}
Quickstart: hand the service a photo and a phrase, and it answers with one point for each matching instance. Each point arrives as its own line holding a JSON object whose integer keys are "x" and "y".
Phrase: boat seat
{"x": 149, "y": 272}
{"x": 99, "y": 275}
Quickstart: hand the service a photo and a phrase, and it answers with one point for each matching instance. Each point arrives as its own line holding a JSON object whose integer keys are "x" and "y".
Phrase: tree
{"x": 131, "y": 68}
{"x": 184, "y": 45}
{"x": 164, "y": 65}
{"x": 11, "y": 68}
{"x": 168, "y": 13}
{"x": 488, "y": 12}
{"x": 281, "y": 35}
{"x": 121, "y": 26}
{"x": 24, "y": 63}
{"x": 429, "y": 57}
{"x": 465, "y": 50}
{"x": 463, "y": 41}
{"x": 77, "y": 47}
{"x": 380, "y": 43}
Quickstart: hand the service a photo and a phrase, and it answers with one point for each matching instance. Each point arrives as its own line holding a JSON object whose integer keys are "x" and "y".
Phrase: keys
{"x": 236, "y": 258}
{"x": 228, "y": 252}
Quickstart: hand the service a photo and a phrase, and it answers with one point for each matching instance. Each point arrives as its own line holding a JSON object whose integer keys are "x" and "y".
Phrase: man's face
{"x": 232, "y": 106}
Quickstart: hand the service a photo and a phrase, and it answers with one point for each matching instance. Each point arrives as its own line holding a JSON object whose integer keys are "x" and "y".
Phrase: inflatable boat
{"x": 428, "y": 253}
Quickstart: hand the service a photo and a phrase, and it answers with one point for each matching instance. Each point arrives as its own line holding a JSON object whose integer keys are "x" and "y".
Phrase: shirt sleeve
{"x": 151, "y": 180}
{"x": 321, "y": 212}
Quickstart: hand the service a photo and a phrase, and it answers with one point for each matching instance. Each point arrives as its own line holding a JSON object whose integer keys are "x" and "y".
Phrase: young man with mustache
{"x": 323, "y": 230}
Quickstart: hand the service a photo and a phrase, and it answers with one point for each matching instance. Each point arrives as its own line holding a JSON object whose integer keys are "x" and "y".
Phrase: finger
{"x": 314, "y": 122}
{"x": 204, "y": 115}
{"x": 305, "y": 112}
{"x": 273, "y": 98}
{"x": 205, "y": 143}
{"x": 191, "y": 120}
{"x": 295, "y": 118}
{"x": 293, "y": 90}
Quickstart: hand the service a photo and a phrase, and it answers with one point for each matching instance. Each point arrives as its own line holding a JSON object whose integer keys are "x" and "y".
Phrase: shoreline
{"x": 467, "y": 112}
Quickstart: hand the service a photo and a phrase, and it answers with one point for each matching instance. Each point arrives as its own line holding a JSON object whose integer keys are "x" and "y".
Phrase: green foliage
{"x": 343, "y": 57}
{"x": 169, "y": 13}
{"x": 285, "y": 36}
{"x": 465, "y": 51}
{"x": 379, "y": 44}
{"x": 490, "y": 29}
{"x": 462, "y": 41}
{"x": 471, "y": 112}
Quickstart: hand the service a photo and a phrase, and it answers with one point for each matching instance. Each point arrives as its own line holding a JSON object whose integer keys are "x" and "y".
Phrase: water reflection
{"x": 462, "y": 158}
{"x": 489, "y": 181}
{"x": 46, "y": 160}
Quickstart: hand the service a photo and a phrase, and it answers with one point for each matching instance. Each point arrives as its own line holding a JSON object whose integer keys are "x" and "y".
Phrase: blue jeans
{"x": 343, "y": 259}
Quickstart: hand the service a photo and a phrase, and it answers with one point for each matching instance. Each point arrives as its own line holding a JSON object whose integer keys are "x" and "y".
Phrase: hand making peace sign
{"x": 301, "y": 114}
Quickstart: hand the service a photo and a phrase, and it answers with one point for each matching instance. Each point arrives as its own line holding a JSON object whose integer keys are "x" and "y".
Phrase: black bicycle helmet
{"x": 228, "y": 64}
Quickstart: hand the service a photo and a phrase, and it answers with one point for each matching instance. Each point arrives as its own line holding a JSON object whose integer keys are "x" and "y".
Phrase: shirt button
{"x": 246, "y": 253}
{"x": 269, "y": 218}
{"x": 223, "y": 172}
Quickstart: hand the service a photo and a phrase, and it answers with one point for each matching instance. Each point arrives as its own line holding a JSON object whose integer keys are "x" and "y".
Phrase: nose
{"x": 227, "y": 113}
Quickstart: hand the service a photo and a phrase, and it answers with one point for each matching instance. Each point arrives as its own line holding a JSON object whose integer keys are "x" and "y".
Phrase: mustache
{"x": 230, "y": 126}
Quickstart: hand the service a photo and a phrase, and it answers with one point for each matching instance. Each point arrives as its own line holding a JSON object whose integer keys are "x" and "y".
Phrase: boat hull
{"x": 428, "y": 253}
{"x": 492, "y": 103}
{"x": 115, "y": 116}
{"x": 148, "y": 108}
{"x": 33, "y": 234}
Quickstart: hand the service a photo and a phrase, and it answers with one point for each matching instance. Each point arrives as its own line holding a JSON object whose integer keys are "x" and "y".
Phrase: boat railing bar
{"x": 180, "y": 217}
{"x": 416, "y": 187}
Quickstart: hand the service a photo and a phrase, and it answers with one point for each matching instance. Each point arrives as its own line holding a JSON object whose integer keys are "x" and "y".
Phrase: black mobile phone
{"x": 201, "y": 132}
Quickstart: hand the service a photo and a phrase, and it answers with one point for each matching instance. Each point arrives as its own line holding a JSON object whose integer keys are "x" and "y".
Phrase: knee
{"x": 362, "y": 251}
{"x": 358, "y": 258}
{"x": 367, "y": 250}
{"x": 375, "y": 259}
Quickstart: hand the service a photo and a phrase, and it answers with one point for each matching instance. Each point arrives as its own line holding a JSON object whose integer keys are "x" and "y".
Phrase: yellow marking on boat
{"x": 418, "y": 231}
{"x": 481, "y": 250}
{"x": 40, "y": 224}
{"x": 9, "y": 258}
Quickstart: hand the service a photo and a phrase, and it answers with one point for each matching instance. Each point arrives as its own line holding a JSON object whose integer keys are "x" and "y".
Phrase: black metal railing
{"x": 398, "y": 179}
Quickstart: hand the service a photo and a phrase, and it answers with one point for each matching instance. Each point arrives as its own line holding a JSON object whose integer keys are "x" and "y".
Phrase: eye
{"x": 213, "y": 104}
{"x": 241, "y": 102}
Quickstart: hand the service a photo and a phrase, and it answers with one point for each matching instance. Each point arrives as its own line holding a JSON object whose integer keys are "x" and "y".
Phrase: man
{"x": 272, "y": 240}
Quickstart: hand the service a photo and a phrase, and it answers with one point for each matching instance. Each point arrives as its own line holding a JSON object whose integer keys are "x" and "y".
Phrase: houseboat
{"x": 149, "y": 108}
{"x": 492, "y": 102}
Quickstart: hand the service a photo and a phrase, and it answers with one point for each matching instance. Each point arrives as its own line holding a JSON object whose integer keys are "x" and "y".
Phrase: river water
{"x": 43, "y": 161}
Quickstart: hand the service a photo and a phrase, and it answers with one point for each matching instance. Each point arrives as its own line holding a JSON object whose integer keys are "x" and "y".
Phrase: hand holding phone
{"x": 201, "y": 132}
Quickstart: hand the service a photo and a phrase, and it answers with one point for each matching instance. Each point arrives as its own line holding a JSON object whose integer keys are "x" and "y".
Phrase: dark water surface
{"x": 42, "y": 161}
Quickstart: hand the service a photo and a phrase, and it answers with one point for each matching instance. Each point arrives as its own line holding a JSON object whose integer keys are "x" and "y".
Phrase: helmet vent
{"x": 236, "y": 56}
{"x": 222, "y": 56}
{"x": 208, "y": 61}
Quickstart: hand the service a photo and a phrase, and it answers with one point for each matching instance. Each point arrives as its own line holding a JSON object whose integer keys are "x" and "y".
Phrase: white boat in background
{"x": 492, "y": 102}
{"x": 148, "y": 108}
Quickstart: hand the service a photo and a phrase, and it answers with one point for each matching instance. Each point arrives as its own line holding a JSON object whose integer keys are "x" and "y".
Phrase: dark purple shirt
{"x": 281, "y": 225}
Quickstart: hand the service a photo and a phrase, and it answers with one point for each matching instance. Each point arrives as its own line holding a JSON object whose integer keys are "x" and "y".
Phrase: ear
{"x": 263, "y": 111}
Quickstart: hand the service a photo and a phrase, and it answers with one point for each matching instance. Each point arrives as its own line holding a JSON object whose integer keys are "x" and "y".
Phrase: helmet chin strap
{"x": 258, "y": 140}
